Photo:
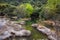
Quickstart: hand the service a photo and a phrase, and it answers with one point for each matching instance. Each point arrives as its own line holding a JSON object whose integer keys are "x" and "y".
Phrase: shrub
{"x": 26, "y": 9}
{"x": 49, "y": 9}
{"x": 7, "y": 9}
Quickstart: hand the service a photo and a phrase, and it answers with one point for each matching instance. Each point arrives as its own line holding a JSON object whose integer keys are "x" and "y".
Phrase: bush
{"x": 7, "y": 9}
{"x": 25, "y": 9}
{"x": 49, "y": 9}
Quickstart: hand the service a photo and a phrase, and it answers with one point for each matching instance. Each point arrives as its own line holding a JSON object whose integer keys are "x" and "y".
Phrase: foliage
{"x": 45, "y": 9}
{"x": 7, "y": 9}
{"x": 26, "y": 9}
{"x": 49, "y": 9}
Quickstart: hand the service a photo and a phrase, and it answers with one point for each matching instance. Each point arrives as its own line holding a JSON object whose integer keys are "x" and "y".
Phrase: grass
{"x": 35, "y": 33}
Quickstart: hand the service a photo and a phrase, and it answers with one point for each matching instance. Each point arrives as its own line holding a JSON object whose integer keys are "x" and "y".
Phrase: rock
{"x": 17, "y": 27}
{"x": 5, "y": 35}
{"x": 22, "y": 22}
{"x": 2, "y": 23}
{"x": 9, "y": 28}
{"x": 19, "y": 31}
{"x": 51, "y": 34}
{"x": 49, "y": 22}
{"x": 25, "y": 33}
{"x": 52, "y": 38}
{"x": 44, "y": 30}
{"x": 22, "y": 33}
{"x": 34, "y": 25}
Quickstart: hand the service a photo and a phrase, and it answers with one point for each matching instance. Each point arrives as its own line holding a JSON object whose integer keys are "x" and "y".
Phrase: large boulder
{"x": 9, "y": 28}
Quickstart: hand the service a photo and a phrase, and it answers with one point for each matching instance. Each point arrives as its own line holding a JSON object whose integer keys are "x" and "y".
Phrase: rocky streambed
{"x": 9, "y": 29}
